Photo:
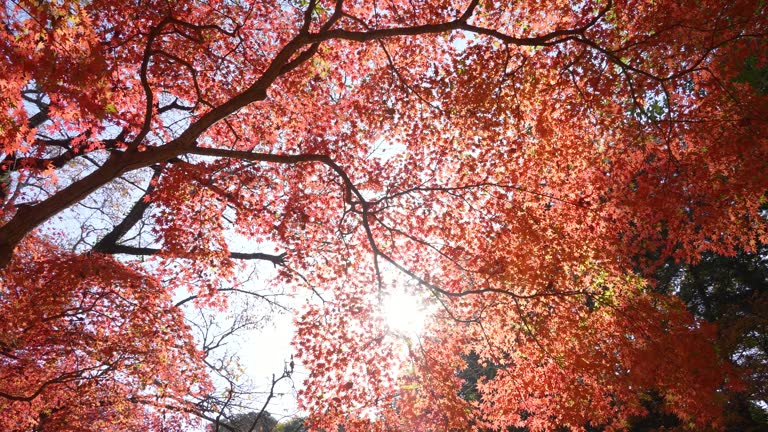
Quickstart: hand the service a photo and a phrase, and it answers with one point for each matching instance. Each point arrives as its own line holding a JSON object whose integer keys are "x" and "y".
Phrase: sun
{"x": 404, "y": 313}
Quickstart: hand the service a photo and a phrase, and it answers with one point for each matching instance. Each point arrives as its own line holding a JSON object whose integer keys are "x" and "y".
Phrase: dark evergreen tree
{"x": 247, "y": 422}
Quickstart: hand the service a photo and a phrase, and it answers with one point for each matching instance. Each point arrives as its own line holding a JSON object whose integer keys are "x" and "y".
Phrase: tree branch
{"x": 277, "y": 260}
{"x": 110, "y": 241}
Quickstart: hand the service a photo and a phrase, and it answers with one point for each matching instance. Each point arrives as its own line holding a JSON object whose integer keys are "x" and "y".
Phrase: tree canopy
{"x": 523, "y": 167}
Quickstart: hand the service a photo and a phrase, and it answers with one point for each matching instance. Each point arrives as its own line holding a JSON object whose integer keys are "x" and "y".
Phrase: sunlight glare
{"x": 404, "y": 313}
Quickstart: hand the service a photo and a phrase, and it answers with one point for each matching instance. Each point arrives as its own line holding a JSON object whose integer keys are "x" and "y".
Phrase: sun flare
{"x": 405, "y": 313}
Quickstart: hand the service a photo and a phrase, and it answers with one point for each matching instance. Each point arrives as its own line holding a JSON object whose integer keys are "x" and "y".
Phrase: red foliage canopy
{"x": 518, "y": 165}
{"x": 88, "y": 344}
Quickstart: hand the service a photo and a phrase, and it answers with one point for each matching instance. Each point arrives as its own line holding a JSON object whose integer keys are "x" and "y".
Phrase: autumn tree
{"x": 91, "y": 344}
{"x": 506, "y": 162}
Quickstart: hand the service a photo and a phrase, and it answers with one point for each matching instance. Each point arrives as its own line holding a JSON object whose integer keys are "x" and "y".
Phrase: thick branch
{"x": 350, "y": 188}
{"x": 14, "y": 163}
{"x": 132, "y": 218}
{"x": 277, "y": 260}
